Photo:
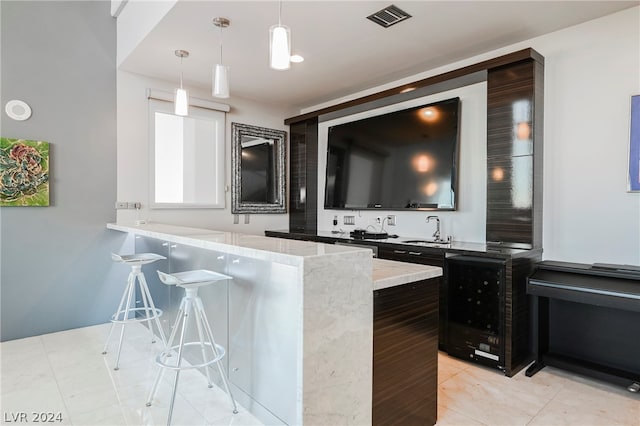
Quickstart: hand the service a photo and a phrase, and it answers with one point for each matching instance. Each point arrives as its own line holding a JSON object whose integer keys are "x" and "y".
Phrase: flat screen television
{"x": 402, "y": 160}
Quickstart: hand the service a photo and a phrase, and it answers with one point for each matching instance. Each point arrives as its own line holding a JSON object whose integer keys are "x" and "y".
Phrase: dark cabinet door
{"x": 424, "y": 256}
{"x": 405, "y": 354}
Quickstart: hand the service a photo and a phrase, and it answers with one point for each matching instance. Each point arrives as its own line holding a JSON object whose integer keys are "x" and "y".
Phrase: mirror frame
{"x": 280, "y": 137}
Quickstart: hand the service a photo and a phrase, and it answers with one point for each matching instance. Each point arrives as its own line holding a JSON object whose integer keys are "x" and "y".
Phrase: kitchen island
{"x": 299, "y": 321}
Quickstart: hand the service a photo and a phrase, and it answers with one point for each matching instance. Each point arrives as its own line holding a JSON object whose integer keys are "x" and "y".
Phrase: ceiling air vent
{"x": 388, "y": 16}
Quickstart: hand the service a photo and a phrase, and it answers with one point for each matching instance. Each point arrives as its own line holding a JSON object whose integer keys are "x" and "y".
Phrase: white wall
{"x": 590, "y": 74}
{"x": 591, "y": 70}
{"x": 136, "y": 19}
{"x": 133, "y": 157}
{"x": 467, "y": 223}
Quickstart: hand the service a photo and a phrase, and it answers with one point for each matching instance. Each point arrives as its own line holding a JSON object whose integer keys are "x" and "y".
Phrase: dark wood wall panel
{"x": 514, "y": 165}
{"x": 519, "y": 349}
{"x": 303, "y": 176}
{"x": 538, "y": 153}
{"x": 429, "y": 81}
{"x": 405, "y": 354}
{"x": 513, "y": 136}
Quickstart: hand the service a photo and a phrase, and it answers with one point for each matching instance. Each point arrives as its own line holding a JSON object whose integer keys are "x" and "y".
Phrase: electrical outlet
{"x": 131, "y": 205}
{"x": 391, "y": 220}
{"x": 349, "y": 220}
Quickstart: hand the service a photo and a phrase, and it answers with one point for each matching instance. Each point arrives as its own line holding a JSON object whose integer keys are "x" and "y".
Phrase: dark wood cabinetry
{"x": 514, "y": 154}
{"x": 405, "y": 364}
{"x": 515, "y": 266}
{"x": 424, "y": 256}
{"x": 303, "y": 172}
{"x": 511, "y": 307}
{"x": 515, "y": 97}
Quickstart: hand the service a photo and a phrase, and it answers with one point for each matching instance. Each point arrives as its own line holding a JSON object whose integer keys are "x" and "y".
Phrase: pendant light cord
{"x": 181, "y": 71}
{"x": 280, "y": 13}
{"x": 221, "y": 63}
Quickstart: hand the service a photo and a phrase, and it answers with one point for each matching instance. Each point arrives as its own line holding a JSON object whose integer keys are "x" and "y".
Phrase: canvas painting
{"x": 24, "y": 172}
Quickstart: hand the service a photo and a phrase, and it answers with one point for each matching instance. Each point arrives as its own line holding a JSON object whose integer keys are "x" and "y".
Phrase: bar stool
{"x": 190, "y": 281}
{"x": 127, "y": 312}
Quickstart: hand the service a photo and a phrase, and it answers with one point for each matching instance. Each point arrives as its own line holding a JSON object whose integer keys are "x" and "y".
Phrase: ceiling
{"x": 344, "y": 52}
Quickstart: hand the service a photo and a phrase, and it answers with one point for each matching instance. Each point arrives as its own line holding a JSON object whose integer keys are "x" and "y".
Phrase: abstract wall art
{"x": 24, "y": 172}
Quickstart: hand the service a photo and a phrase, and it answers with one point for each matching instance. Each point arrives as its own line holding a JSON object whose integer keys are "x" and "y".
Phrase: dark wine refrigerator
{"x": 476, "y": 318}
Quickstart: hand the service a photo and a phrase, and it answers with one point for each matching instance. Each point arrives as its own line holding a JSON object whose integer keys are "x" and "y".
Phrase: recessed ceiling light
{"x": 296, "y": 59}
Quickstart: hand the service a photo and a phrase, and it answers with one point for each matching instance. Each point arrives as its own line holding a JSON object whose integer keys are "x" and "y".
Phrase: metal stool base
{"x": 190, "y": 306}
{"x": 126, "y": 312}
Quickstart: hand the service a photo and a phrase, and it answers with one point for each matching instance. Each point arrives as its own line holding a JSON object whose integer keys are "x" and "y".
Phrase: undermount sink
{"x": 425, "y": 242}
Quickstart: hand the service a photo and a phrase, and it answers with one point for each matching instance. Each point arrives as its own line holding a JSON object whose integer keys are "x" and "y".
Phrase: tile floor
{"x": 65, "y": 373}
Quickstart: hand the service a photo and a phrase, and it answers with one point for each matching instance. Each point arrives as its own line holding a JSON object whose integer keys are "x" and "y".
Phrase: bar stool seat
{"x": 127, "y": 312}
{"x": 211, "y": 352}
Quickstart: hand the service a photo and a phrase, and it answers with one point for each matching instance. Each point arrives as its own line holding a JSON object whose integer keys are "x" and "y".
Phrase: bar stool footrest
{"x": 155, "y": 313}
{"x": 167, "y": 352}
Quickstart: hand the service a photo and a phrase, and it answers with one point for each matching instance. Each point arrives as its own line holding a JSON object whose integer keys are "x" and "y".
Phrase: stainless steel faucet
{"x": 436, "y": 234}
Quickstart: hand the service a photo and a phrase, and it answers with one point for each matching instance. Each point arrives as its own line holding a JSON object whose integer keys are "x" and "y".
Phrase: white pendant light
{"x": 220, "y": 81}
{"x": 181, "y": 103}
{"x": 279, "y": 44}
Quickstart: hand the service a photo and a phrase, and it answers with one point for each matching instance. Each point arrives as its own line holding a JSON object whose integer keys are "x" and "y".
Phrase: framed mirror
{"x": 258, "y": 163}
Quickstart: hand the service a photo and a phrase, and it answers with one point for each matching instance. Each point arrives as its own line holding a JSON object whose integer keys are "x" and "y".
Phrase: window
{"x": 187, "y": 157}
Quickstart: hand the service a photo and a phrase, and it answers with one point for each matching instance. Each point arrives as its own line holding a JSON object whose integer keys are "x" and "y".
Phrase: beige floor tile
{"x": 445, "y": 359}
{"x": 447, "y": 368}
{"x": 489, "y": 398}
{"x": 450, "y": 417}
{"x": 213, "y": 403}
{"x": 20, "y": 347}
{"x": 29, "y": 372}
{"x": 600, "y": 400}
{"x": 243, "y": 418}
{"x": 66, "y": 373}
{"x": 88, "y": 401}
{"x": 136, "y": 412}
{"x": 107, "y": 416}
{"x": 42, "y": 399}
{"x": 557, "y": 413}
{"x": 84, "y": 380}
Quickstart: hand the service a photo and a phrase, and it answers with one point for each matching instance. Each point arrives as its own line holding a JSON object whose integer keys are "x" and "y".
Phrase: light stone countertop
{"x": 289, "y": 252}
{"x": 389, "y": 273}
{"x": 386, "y": 273}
